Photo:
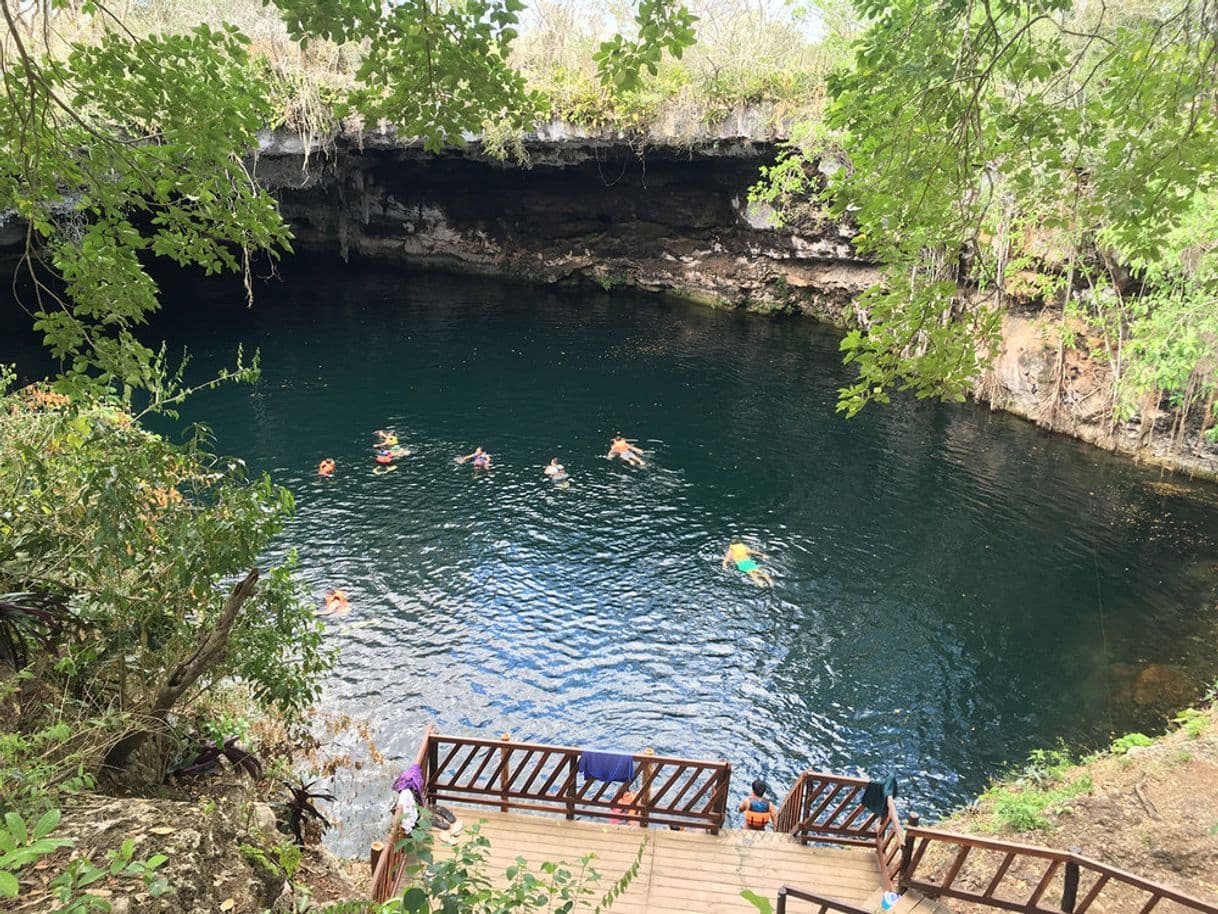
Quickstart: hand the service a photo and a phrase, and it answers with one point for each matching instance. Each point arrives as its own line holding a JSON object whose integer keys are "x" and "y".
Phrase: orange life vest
{"x": 756, "y": 819}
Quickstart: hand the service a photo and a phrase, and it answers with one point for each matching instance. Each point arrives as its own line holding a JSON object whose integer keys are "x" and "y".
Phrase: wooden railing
{"x": 529, "y": 777}
{"x": 889, "y": 845}
{"x": 822, "y": 903}
{"x": 828, "y": 808}
{"x": 389, "y": 857}
{"x": 1074, "y": 883}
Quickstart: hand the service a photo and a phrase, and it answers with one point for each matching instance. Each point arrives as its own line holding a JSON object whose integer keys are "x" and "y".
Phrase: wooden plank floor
{"x": 681, "y": 872}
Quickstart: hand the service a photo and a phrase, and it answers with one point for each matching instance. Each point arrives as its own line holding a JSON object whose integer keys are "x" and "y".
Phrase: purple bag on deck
{"x": 411, "y": 779}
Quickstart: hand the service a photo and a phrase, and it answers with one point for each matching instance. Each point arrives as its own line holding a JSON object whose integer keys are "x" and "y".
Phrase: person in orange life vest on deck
{"x": 758, "y": 811}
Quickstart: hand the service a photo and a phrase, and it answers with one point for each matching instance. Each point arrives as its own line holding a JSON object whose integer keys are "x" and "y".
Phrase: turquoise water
{"x": 953, "y": 587}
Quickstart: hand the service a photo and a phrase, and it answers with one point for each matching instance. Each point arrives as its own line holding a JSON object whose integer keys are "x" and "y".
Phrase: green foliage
{"x": 142, "y": 535}
{"x": 50, "y": 761}
{"x": 1045, "y": 782}
{"x": 989, "y": 141}
{"x": 459, "y": 884}
{"x": 662, "y": 26}
{"x": 128, "y": 147}
{"x": 1194, "y": 722}
{"x": 22, "y": 845}
{"x": 1121, "y": 745}
{"x": 760, "y": 902}
{"x": 70, "y": 887}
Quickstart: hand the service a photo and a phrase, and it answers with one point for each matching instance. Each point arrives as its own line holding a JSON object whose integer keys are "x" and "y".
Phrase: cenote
{"x": 954, "y": 588}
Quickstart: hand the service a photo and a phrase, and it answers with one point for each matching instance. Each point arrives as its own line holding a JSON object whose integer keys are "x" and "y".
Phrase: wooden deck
{"x": 682, "y": 872}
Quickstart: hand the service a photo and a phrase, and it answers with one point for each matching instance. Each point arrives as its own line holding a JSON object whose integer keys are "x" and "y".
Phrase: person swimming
{"x": 385, "y": 438}
{"x": 336, "y": 604}
{"x": 742, "y": 557}
{"x": 556, "y": 471}
{"x": 481, "y": 459}
{"x": 626, "y": 452}
{"x": 326, "y": 467}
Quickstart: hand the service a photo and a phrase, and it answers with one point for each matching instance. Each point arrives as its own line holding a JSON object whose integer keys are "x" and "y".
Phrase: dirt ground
{"x": 1152, "y": 812}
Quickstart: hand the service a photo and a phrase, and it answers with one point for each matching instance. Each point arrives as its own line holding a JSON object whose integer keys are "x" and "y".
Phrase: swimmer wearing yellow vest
{"x": 742, "y": 557}
{"x": 385, "y": 439}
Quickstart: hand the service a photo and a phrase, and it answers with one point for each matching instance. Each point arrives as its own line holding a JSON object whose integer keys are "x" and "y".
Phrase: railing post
{"x": 573, "y": 764}
{"x": 432, "y": 774}
{"x": 1070, "y": 883}
{"x": 782, "y": 901}
{"x": 644, "y": 797}
{"x": 505, "y": 756}
{"x": 908, "y": 850}
{"x": 726, "y": 785}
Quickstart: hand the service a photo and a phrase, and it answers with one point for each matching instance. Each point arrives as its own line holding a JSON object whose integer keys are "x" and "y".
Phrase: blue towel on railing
{"x": 607, "y": 766}
{"x": 876, "y": 794}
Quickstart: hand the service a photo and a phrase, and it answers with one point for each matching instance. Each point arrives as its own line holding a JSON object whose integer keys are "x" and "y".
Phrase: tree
{"x": 138, "y": 537}
{"x": 120, "y": 147}
{"x": 990, "y": 142}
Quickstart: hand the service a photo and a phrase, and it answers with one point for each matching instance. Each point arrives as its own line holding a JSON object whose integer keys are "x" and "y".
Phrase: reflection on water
{"x": 954, "y": 587}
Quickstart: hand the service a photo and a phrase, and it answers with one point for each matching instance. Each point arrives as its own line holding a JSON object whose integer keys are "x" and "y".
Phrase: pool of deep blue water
{"x": 953, "y": 586}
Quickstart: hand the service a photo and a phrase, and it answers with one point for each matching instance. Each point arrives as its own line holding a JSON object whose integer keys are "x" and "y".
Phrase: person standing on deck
{"x": 758, "y": 810}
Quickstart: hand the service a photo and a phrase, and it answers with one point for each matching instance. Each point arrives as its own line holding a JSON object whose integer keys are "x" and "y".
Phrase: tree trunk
{"x": 213, "y": 645}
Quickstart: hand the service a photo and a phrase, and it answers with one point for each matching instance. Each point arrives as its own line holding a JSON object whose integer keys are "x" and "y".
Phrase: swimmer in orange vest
{"x": 758, "y": 810}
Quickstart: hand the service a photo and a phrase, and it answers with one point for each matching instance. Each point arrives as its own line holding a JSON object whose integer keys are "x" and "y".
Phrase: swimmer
{"x": 742, "y": 557}
{"x": 326, "y": 467}
{"x": 383, "y": 457}
{"x": 385, "y": 438}
{"x": 481, "y": 459}
{"x": 626, "y": 452}
{"x": 336, "y": 604}
{"x": 556, "y": 471}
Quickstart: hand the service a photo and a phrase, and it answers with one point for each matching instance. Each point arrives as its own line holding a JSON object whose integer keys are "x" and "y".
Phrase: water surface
{"x": 954, "y": 587}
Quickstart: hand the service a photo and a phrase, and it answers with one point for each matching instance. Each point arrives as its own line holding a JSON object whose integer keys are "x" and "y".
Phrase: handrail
{"x": 535, "y": 777}
{"x": 1071, "y": 865}
{"x": 889, "y": 845}
{"x": 828, "y": 808}
{"x": 387, "y": 873}
{"x": 825, "y": 903}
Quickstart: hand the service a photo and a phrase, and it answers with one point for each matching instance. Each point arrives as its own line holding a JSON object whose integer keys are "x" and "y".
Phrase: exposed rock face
{"x": 1070, "y": 390}
{"x": 671, "y": 217}
{"x": 668, "y": 218}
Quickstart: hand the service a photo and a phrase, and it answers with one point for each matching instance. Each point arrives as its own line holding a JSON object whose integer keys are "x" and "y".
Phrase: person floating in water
{"x": 384, "y": 461}
{"x": 336, "y": 604}
{"x": 385, "y": 438}
{"x": 481, "y": 459}
{"x": 742, "y": 557}
{"x": 757, "y": 808}
{"x": 556, "y": 471}
{"x": 625, "y": 451}
{"x": 326, "y": 467}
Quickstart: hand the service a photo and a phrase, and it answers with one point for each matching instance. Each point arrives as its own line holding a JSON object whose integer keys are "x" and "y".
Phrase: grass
{"x": 750, "y": 57}
{"x": 1022, "y": 801}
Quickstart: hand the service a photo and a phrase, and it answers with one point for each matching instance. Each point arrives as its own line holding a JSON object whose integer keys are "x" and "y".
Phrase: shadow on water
{"x": 954, "y": 587}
